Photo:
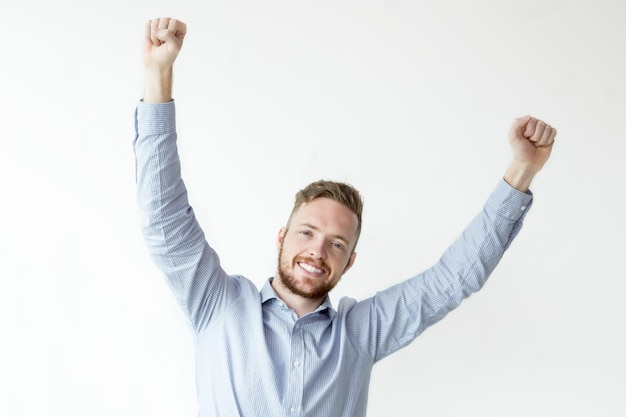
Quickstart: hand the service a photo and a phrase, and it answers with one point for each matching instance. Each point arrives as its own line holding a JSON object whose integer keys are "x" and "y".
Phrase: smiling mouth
{"x": 310, "y": 268}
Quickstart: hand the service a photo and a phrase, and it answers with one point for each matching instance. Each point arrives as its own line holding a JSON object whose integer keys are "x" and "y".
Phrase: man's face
{"x": 317, "y": 248}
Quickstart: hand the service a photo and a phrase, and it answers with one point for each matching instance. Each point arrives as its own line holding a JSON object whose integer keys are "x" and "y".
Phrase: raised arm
{"x": 400, "y": 313}
{"x": 174, "y": 239}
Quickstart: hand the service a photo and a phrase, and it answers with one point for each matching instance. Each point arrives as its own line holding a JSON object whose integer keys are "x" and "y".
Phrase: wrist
{"x": 158, "y": 87}
{"x": 520, "y": 175}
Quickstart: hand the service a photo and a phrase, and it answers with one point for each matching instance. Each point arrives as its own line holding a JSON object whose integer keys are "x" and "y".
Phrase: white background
{"x": 410, "y": 101}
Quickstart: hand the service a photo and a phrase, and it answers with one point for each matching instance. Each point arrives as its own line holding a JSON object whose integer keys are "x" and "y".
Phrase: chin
{"x": 303, "y": 286}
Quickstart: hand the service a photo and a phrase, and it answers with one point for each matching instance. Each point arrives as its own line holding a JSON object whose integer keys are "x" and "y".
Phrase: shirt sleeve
{"x": 394, "y": 317}
{"x": 175, "y": 240}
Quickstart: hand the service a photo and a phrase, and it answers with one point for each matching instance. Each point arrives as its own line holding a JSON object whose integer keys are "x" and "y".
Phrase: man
{"x": 285, "y": 351}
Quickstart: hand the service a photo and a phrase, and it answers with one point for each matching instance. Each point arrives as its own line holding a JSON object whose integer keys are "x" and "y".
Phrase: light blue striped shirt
{"x": 254, "y": 357}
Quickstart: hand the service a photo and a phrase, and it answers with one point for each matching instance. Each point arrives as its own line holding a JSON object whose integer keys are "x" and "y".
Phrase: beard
{"x": 313, "y": 291}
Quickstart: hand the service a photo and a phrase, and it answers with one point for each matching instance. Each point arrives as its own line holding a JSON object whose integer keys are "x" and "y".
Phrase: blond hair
{"x": 340, "y": 192}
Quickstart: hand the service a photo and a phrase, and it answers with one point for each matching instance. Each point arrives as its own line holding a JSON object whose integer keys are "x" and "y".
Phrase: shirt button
{"x": 523, "y": 208}
{"x": 292, "y": 409}
{"x": 296, "y": 363}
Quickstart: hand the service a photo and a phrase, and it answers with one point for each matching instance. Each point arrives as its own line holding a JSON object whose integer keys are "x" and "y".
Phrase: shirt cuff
{"x": 510, "y": 202}
{"x": 156, "y": 118}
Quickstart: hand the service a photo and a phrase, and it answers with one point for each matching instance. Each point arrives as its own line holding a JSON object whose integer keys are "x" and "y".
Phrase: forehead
{"x": 328, "y": 214}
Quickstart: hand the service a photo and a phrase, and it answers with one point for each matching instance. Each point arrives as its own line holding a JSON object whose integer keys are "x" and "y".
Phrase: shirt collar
{"x": 268, "y": 293}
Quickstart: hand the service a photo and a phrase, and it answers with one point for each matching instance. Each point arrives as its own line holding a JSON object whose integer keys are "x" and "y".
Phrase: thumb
{"x": 522, "y": 122}
{"x": 519, "y": 126}
{"x": 163, "y": 35}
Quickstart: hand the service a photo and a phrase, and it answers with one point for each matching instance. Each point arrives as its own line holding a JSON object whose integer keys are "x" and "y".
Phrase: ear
{"x": 281, "y": 237}
{"x": 350, "y": 262}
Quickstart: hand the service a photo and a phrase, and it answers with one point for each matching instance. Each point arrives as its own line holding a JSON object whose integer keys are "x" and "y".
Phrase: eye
{"x": 305, "y": 233}
{"x": 338, "y": 246}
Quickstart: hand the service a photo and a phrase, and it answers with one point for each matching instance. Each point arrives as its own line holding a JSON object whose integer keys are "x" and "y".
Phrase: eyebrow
{"x": 335, "y": 236}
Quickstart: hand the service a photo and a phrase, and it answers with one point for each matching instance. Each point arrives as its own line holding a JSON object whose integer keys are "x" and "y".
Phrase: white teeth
{"x": 310, "y": 268}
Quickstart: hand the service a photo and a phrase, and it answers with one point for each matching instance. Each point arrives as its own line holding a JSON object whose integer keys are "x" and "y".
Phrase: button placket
{"x": 295, "y": 373}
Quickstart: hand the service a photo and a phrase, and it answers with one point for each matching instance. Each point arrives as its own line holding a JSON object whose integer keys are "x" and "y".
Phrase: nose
{"x": 317, "y": 249}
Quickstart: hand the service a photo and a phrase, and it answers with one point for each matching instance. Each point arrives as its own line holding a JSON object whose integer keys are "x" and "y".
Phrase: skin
{"x": 311, "y": 238}
{"x": 163, "y": 40}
